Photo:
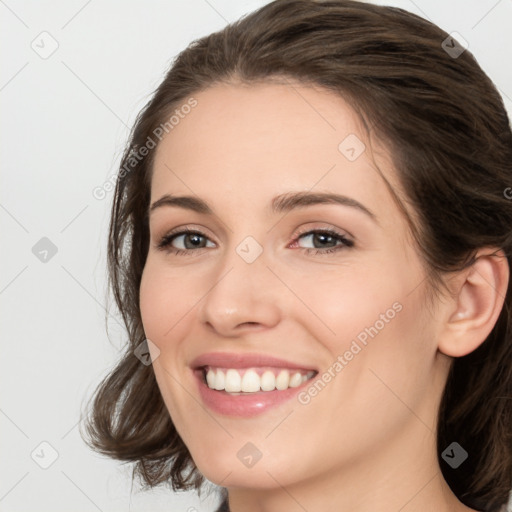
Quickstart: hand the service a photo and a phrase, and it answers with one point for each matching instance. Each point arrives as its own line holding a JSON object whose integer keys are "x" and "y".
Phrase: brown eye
{"x": 191, "y": 240}
{"x": 324, "y": 240}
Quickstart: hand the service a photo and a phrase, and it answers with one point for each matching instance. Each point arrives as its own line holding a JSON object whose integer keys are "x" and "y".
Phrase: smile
{"x": 252, "y": 380}
{"x": 246, "y": 385}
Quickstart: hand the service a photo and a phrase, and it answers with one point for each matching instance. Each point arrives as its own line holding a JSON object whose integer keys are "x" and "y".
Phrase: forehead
{"x": 252, "y": 142}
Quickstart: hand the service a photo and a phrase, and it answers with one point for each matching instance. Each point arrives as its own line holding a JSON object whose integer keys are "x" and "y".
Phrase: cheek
{"x": 163, "y": 302}
{"x": 374, "y": 318}
{"x": 385, "y": 363}
{"x": 151, "y": 303}
{"x": 342, "y": 303}
{"x": 162, "y": 311}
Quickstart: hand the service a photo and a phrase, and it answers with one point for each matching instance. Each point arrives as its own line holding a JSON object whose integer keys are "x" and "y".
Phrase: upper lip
{"x": 234, "y": 360}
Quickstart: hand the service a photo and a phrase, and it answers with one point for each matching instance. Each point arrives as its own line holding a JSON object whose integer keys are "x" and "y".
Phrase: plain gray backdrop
{"x": 74, "y": 75}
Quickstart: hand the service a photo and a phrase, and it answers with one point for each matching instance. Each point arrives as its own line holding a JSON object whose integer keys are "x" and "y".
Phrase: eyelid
{"x": 325, "y": 226}
{"x": 187, "y": 228}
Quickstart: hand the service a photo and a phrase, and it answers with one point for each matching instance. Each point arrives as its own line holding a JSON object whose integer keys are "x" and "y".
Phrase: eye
{"x": 323, "y": 237}
{"x": 192, "y": 240}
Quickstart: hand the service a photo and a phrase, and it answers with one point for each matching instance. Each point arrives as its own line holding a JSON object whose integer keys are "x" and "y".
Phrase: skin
{"x": 367, "y": 441}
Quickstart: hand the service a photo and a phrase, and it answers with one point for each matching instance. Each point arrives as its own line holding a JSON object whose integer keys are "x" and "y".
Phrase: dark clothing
{"x": 223, "y": 506}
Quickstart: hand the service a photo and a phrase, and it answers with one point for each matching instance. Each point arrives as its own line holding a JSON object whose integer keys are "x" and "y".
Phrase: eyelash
{"x": 166, "y": 240}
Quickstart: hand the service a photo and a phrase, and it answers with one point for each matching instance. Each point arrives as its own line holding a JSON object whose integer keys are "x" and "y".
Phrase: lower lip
{"x": 246, "y": 405}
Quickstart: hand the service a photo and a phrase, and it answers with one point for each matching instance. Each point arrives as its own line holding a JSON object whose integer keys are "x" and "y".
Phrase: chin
{"x": 245, "y": 468}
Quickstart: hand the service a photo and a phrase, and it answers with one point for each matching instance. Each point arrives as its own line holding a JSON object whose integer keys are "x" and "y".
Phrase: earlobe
{"x": 477, "y": 304}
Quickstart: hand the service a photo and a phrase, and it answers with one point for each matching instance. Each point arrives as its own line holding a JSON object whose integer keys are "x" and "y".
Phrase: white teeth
{"x": 295, "y": 380}
{"x": 220, "y": 381}
{"x": 210, "y": 379}
{"x": 233, "y": 381}
{"x": 268, "y": 381}
{"x": 283, "y": 379}
{"x": 251, "y": 381}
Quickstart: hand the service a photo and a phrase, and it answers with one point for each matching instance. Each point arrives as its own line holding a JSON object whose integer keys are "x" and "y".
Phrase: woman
{"x": 310, "y": 245}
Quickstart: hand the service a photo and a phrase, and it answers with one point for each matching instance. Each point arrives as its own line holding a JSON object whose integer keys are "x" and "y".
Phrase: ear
{"x": 478, "y": 296}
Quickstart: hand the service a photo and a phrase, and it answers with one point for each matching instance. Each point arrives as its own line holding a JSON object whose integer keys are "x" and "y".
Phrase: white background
{"x": 65, "y": 120}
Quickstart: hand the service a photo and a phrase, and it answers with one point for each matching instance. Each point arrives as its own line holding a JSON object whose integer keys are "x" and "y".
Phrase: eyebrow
{"x": 281, "y": 203}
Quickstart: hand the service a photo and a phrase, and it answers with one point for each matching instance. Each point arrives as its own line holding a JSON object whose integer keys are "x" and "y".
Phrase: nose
{"x": 242, "y": 296}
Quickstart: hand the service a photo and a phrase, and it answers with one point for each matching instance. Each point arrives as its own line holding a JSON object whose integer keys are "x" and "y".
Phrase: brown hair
{"x": 449, "y": 136}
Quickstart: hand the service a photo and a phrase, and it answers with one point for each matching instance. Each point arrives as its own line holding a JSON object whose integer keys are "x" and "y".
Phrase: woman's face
{"x": 263, "y": 297}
